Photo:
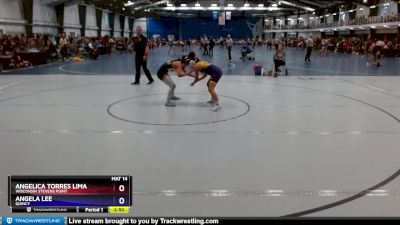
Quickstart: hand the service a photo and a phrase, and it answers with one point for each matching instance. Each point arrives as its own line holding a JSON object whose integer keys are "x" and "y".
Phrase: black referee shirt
{"x": 140, "y": 45}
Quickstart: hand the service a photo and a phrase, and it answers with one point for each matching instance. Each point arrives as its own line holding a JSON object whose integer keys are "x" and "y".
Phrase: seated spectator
{"x": 119, "y": 46}
{"x": 51, "y": 48}
{"x": 17, "y": 62}
{"x": 93, "y": 53}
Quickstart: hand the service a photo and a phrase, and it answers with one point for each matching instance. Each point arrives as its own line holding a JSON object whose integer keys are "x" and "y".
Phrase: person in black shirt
{"x": 211, "y": 47}
{"x": 141, "y": 49}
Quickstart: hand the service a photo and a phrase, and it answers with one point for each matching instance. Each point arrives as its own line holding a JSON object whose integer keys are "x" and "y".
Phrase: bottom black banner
{"x": 212, "y": 221}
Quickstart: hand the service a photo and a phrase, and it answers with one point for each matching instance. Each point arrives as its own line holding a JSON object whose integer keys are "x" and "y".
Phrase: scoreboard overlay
{"x": 89, "y": 194}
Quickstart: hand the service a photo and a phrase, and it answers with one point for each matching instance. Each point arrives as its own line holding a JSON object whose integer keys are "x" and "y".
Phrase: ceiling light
{"x": 170, "y": 5}
{"x": 128, "y": 3}
{"x": 197, "y": 5}
{"x": 361, "y": 9}
{"x": 230, "y": 5}
{"x": 351, "y": 10}
{"x": 214, "y": 5}
{"x": 373, "y": 7}
{"x": 274, "y": 5}
{"x": 246, "y": 4}
{"x": 183, "y": 5}
{"x": 334, "y": 14}
{"x": 260, "y": 5}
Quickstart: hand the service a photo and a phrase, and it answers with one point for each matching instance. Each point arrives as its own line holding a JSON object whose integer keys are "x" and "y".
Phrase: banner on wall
{"x": 221, "y": 19}
{"x": 105, "y": 19}
{"x": 228, "y": 15}
{"x": 215, "y": 15}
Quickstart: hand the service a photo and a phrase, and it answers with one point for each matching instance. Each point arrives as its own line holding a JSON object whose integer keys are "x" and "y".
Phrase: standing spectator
{"x": 141, "y": 49}
{"x": 269, "y": 45}
{"x": 309, "y": 45}
{"x": 279, "y": 59}
{"x": 221, "y": 42}
{"x": 211, "y": 47}
{"x": 188, "y": 48}
{"x": 206, "y": 44}
{"x": 229, "y": 44}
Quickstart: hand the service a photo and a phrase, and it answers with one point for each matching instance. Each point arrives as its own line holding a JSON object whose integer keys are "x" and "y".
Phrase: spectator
{"x": 229, "y": 45}
{"x": 93, "y": 53}
{"x": 211, "y": 47}
{"x": 309, "y": 45}
{"x": 279, "y": 59}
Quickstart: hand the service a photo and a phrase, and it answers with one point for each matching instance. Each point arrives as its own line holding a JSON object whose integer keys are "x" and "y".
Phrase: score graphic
{"x": 88, "y": 194}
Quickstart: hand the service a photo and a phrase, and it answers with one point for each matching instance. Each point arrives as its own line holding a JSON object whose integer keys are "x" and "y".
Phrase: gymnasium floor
{"x": 296, "y": 145}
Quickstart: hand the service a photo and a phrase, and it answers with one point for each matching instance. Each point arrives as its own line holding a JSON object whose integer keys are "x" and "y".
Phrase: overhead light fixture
{"x": 313, "y": 13}
{"x": 351, "y": 10}
{"x": 169, "y": 5}
{"x": 327, "y": 15}
{"x": 197, "y": 4}
{"x": 274, "y": 5}
{"x": 230, "y": 5}
{"x": 321, "y": 17}
{"x": 214, "y": 5}
{"x": 129, "y": 3}
{"x": 361, "y": 9}
{"x": 246, "y": 4}
{"x": 373, "y": 27}
{"x": 386, "y": 4}
{"x": 362, "y": 28}
{"x": 334, "y": 14}
{"x": 260, "y": 5}
{"x": 311, "y": 18}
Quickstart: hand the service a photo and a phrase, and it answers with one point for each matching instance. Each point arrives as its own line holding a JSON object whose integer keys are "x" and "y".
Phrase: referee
{"x": 141, "y": 49}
